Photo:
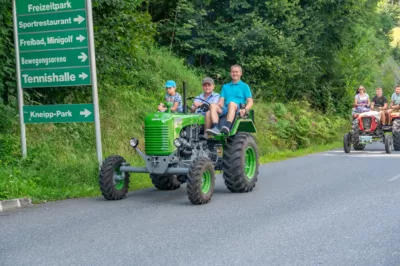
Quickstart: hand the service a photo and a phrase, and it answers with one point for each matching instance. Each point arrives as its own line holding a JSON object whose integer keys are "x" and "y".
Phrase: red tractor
{"x": 367, "y": 128}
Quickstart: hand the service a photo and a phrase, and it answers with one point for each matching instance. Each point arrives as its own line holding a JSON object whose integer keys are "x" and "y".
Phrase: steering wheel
{"x": 204, "y": 107}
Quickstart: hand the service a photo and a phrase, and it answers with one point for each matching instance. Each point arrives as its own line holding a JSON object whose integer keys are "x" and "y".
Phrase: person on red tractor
{"x": 380, "y": 103}
{"x": 394, "y": 104}
{"x": 361, "y": 101}
{"x": 232, "y": 96}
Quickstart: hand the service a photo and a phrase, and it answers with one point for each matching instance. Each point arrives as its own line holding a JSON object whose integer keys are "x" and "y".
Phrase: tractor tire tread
{"x": 396, "y": 134}
{"x": 106, "y": 174}
{"x": 194, "y": 181}
{"x": 232, "y": 166}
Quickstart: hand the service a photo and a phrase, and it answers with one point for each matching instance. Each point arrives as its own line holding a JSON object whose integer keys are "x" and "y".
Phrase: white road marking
{"x": 360, "y": 154}
{"x": 394, "y": 178}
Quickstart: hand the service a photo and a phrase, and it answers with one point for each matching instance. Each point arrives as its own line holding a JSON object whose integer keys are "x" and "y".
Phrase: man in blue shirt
{"x": 394, "y": 104}
{"x": 232, "y": 95}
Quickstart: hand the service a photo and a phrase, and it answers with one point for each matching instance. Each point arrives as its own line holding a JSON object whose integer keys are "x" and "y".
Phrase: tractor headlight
{"x": 177, "y": 143}
{"x": 183, "y": 133}
{"x": 134, "y": 142}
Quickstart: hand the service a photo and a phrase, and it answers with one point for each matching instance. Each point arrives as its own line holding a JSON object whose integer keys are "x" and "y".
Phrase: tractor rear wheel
{"x": 347, "y": 143}
{"x": 388, "y": 143}
{"x": 200, "y": 181}
{"x": 396, "y": 134}
{"x": 165, "y": 182}
{"x": 114, "y": 184}
{"x": 240, "y": 163}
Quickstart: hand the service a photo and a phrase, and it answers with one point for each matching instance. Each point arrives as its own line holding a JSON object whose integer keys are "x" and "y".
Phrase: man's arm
{"x": 385, "y": 103}
{"x": 373, "y": 104}
{"x": 249, "y": 98}
{"x": 196, "y": 104}
{"x": 249, "y": 104}
{"x": 221, "y": 100}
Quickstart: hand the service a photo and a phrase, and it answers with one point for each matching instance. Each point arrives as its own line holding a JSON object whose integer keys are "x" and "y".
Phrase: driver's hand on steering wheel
{"x": 197, "y": 104}
{"x": 242, "y": 112}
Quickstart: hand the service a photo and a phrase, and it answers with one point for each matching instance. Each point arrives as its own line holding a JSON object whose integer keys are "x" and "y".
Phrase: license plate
{"x": 366, "y": 139}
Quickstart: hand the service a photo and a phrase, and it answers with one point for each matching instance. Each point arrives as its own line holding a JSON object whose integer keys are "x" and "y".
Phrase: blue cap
{"x": 170, "y": 83}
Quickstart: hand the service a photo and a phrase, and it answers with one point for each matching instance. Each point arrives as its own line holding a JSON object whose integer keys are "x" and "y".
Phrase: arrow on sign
{"x": 86, "y": 113}
{"x": 83, "y": 76}
{"x": 83, "y": 57}
{"x": 79, "y": 19}
{"x": 80, "y": 38}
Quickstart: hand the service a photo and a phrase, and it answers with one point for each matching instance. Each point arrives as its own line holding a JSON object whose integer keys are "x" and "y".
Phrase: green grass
{"x": 283, "y": 155}
{"x": 62, "y": 160}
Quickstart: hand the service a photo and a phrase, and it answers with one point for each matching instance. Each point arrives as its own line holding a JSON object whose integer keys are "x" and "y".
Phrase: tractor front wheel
{"x": 346, "y": 143}
{"x": 240, "y": 163}
{"x": 201, "y": 181}
{"x": 165, "y": 182}
{"x": 114, "y": 184}
{"x": 396, "y": 134}
{"x": 388, "y": 143}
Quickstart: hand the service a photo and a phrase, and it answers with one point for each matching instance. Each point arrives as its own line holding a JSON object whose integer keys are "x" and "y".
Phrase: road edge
{"x": 13, "y": 204}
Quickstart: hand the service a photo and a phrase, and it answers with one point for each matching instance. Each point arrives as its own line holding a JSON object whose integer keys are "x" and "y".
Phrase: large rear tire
{"x": 346, "y": 143}
{"x": 165, "y": 182}
{"x": 388, "y": 143}
{"x": 355, "y": 132}
{"x": 114, "y": 184}
{"x": 396, "y": 134}
{"x": 240, "y": 163}
{"x": 200, "y": 181}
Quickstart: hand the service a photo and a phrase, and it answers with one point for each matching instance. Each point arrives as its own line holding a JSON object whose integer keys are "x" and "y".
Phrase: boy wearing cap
{"x": 172, "y": 96}
{"x": 233, "y": 95}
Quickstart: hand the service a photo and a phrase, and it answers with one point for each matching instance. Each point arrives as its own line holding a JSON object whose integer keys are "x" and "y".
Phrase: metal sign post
{"x": 54, "y": 47}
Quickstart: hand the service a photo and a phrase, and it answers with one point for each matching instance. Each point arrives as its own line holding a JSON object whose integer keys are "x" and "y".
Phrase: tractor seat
{"x": 223, "y": 118}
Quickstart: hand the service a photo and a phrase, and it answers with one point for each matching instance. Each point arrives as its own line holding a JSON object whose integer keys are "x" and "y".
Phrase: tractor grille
{"x": 157, "y": 140}
{"x": 366, "y": 121}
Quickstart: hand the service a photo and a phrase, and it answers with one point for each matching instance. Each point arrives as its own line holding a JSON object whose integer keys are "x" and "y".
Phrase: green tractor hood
{"x": 161, "y": 129}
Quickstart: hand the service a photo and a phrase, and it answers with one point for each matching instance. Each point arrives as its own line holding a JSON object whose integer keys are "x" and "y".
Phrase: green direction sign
{"x": 63, "y": 113}
{"x": 46, "y": 6}
{"x": 54, "y": 59}
{"x": 55, "y": 77}
{"x": 52, "y": 21}
{"x": 53, "y": 40}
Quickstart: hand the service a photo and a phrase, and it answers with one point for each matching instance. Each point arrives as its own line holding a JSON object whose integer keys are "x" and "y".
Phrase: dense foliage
{"x": 313, "y": 49}
{"x": 317, "y": 50}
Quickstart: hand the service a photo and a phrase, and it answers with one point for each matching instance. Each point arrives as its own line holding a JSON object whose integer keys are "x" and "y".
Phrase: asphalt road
{"x": 329, "y": 208}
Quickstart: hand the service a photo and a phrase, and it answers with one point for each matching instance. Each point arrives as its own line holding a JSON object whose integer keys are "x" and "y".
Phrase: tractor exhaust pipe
{"x": 184, "y": 98}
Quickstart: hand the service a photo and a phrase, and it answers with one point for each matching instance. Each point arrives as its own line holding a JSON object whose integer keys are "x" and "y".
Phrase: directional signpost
{"x": 54, "y": 45}
{"x": 63, "y": 113}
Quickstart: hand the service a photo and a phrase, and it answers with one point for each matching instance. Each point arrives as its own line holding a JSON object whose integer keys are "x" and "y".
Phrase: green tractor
{"x": 177, "y": 152}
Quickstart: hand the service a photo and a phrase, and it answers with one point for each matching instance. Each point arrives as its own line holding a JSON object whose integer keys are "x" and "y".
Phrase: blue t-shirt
{"x": 235, "y": 92}
{"x": 176, "y": 98}
{"x": 395, "y": 98}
